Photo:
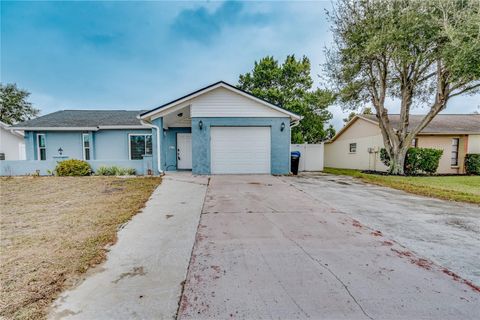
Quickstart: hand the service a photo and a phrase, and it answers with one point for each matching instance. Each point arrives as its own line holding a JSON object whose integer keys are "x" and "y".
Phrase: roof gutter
{"x": 157, "y": 129}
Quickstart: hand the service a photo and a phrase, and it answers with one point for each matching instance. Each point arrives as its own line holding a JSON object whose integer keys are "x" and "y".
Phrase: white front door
{"x": 184, "y": 151}
{"x": 240, "y": 150}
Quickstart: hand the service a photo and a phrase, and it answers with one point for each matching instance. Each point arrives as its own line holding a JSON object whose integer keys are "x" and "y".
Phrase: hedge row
{"x": 417, "y": 161}
{"x": 472, "y": 163}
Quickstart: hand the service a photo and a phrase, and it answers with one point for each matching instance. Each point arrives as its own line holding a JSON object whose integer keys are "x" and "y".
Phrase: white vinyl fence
{"x": 311, "y": 158}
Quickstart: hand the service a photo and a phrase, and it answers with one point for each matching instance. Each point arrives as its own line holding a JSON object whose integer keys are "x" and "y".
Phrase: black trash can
{"x": 294, "y": 161}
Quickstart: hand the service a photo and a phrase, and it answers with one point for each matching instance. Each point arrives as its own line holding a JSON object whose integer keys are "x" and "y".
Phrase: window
{"x": 86, "y": 146}
{"x": 454, "y": 157}
{"x": 414, "y": 142}
{"x": 41, "y": 147}
{"x": 353, "y": 148}
{"x": 140, "y": 145}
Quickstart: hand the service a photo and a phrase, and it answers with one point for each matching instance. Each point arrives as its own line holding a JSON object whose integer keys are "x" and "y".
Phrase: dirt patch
{"x": 376, "y": 233}
{"x": 357, "y": 224}
{"x": 402, "y": 253}
{"x": 53, "y": 229}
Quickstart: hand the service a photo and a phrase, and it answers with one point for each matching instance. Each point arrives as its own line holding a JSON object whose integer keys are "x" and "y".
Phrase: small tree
{"x": 14, "y": 106}
{"x": 290, "y": 86}
{"x": 419, "y": 52}
{"x": 353, "y": 114}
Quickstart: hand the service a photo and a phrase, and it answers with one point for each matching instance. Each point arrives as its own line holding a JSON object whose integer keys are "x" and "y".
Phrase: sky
{"x": 133, "y": 55}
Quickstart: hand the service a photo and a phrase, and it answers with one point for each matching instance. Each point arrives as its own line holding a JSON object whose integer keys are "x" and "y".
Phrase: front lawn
{"x": 456, "y": 188}
{"x": 53, "y": 229}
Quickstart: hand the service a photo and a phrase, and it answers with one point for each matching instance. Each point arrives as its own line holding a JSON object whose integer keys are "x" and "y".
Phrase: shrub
{"x": 73, "y": 167}
{"x": 114, "y": 171}
{"x": 472, "y": 163}
{"x": 417, "y": 161}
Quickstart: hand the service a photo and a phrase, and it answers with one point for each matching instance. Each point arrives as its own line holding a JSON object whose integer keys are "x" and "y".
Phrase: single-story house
{"x": 218, "y": 129}
{"x": 12, "y": 145}
{"x": 357, "y": 144}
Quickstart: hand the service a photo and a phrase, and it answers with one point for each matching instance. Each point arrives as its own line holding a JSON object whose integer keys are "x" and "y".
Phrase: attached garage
{"x": 240, "y": 150}
{"x": 229, "y": 131}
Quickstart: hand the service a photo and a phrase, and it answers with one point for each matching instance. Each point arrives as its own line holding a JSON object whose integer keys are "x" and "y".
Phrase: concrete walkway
{"x": 142, "y": 277}
{"x": 266, "y": 250}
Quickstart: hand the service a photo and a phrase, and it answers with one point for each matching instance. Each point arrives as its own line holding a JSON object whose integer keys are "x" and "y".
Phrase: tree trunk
{"x": 397, "y": 161}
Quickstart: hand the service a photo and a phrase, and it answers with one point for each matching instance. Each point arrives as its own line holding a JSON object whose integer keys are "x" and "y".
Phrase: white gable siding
{"x": 225, "y": 103}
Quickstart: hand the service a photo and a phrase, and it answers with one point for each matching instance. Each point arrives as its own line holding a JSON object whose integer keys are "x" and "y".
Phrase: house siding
{"x": 11, "y": 145}
{"x": 105, "y": 144}
{"x": 368, "y": 135}
{"x": 222, "y": 102}
{"x": 444, "y": 142}
{"x": 280, "y": 141}
{"x": 365, "y": 135}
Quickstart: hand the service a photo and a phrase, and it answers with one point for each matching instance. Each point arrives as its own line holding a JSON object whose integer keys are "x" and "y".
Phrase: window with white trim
{"x": 139, "y": 145}
{"x": 454, "y": 157}
{"x": 41, "y": 147}
{"x": 86, "y": 146}
{"x": 352, "y": 148}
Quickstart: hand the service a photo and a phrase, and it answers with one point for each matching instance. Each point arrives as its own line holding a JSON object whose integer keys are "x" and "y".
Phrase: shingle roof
{"x": 442, "y": 123}
{"x": 84, "y": 118}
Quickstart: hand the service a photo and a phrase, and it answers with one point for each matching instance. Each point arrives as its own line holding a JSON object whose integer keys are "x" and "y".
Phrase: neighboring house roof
{"x": 441, "y": 124}
{"x": 219, "y": 84}
{"x": 10, "y": 129}
{"x": 84, "y": 120}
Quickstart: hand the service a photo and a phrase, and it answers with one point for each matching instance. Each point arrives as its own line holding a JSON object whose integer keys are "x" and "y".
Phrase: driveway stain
{"x": 136, "y": 271}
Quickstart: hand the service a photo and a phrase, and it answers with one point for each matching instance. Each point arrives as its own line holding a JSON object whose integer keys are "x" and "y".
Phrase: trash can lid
{"x": 295, "y": 153}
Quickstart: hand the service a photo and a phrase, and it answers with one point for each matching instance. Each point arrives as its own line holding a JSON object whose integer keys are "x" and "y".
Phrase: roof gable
{"x": 221, "y": 84}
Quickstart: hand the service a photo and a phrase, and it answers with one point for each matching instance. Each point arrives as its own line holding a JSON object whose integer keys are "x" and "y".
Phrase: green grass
{"x": 455, "y": 188}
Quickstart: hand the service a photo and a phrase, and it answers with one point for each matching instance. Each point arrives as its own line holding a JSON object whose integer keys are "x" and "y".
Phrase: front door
{"x": 184, "y": 151}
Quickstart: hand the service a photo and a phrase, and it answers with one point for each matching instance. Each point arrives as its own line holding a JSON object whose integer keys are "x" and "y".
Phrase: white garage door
{"x": 240, "y": 149}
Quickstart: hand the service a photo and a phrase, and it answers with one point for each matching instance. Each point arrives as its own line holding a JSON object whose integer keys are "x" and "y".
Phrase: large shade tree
{"x": 421, "y": 53}
{"x": 290, "y": 86}
{"x": 14, "y": 106}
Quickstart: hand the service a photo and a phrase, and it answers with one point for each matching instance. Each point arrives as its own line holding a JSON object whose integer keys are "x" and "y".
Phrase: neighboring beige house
{"x": 357, "y": 145}
{"x": 12, "y": 143}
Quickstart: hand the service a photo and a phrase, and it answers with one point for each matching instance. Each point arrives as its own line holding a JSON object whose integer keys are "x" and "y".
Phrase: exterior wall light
{"x": 282, "y": 126}
{"x": 60, "y": 151}
{"x": 200, "y": 124}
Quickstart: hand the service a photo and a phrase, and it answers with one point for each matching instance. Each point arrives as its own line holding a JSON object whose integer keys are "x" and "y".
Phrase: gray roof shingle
{"x": 442, "y": 123}
{"x": 84, "y": 118}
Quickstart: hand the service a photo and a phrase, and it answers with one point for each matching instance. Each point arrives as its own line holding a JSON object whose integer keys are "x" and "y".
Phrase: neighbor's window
{"x": 140, "y": 145}
{"x": 353, "y": 147}
{"x": 41, "y": 147}
{"x": 86, "y": 146}
{"x": 454, "y": 158}
{"x": 414, "y": 142}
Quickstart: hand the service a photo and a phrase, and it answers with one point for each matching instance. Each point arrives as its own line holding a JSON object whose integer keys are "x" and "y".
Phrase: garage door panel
{"x": 240, "y": 149}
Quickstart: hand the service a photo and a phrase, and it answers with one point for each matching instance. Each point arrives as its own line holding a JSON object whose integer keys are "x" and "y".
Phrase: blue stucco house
{"x": 218, "y": 129}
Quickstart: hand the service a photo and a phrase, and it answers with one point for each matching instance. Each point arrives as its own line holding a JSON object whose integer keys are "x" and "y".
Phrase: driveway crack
{"x": 323, "y": 266}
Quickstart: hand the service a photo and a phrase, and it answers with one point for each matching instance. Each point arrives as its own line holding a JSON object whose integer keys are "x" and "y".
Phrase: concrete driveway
{"x": 270, "y": 247}
{"x": 446, "y": 232}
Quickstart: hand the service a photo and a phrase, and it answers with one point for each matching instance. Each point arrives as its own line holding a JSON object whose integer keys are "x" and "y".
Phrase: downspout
{"x": 157, "y": 129}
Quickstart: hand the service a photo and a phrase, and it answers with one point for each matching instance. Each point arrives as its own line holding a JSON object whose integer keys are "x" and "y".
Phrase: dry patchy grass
{"x": 455, "y": 188}
{"x": 55, "y": 228}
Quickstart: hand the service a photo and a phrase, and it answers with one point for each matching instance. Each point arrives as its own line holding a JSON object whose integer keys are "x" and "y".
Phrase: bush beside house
{"x": 472, "y": 163}
{"x": 73, "y": 167}
{"x": 115, "y": 171}
{"x": 418, "y": 160}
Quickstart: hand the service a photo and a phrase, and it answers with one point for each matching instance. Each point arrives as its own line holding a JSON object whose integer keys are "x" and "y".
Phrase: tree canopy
{"x": 290, "y": 86}
{"x": 14, "y": 106}
{"x": 421, "y": 53}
